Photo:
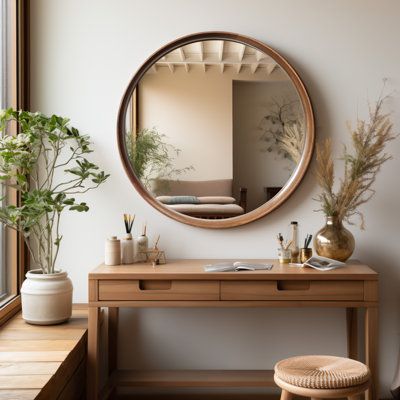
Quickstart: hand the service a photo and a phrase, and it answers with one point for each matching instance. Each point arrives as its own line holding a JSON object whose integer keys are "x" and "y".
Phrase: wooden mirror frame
{"x": 289, "y": 186}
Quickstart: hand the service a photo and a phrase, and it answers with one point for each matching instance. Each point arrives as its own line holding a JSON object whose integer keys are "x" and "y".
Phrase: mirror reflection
{"x": 215, "y": 129}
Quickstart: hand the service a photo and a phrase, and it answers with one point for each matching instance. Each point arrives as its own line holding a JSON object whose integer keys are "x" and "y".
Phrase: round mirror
{"x": 215, "y": 130}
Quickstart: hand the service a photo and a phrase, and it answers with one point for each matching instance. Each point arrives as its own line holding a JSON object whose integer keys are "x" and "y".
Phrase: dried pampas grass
{"x": 362, "y": 164}
{"x": 291, "y": 141}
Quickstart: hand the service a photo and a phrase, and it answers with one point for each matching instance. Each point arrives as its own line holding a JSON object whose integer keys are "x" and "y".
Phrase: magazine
{"x": 236, "y": 266}
{"x": 323, "y": 263}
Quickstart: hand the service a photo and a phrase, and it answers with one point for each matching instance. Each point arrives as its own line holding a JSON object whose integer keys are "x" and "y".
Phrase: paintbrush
{"x": 156, "y": 243}
{"x": 287, "y": 245}
{"x": 128, "y": 221}
{"x": 307, "y": 241}
{"x": 144, "y": 229}
{"x": 280, "y": 240}
{"x": 131, "y": 222}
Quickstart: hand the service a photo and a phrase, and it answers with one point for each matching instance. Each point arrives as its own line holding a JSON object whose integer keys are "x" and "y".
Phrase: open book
{"x": 323, "y": 263}
{"x": 236, "y": 266}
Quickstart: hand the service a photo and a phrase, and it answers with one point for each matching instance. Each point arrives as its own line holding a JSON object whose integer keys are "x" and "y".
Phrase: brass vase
{"x": 334, "y": 240}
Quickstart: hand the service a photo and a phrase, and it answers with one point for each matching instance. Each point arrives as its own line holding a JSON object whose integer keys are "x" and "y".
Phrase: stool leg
{"x": 285, "y": 395}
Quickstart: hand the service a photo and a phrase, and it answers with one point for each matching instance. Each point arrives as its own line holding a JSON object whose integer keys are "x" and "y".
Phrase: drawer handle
{"x": 155, "y": 285}
{"x": 293, "y": 285}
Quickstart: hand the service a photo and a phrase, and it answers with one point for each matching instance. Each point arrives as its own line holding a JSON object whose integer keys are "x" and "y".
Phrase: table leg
{"x": 371, "y": 350}
{"x": 352, "y": 333}
{"x": 93, "y": 361}
{"x": 113, "y": 313}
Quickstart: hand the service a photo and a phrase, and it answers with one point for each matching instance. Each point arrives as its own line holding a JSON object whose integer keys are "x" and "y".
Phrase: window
{"x": 8, "y": 287}
{"x": 13, "y": 93}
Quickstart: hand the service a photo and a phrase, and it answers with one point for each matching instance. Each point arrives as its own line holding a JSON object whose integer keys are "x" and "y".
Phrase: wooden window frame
{"x": 16, "y": 253}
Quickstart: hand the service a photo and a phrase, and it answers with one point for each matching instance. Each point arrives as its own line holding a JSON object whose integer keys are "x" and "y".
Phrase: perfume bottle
{"x": 294, "y": 246}
{"x": 142, "y": 247}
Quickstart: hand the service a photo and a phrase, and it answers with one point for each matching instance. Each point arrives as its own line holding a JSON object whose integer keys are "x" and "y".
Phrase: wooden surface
{"x": 202, "y": 396}
{"x": 183, "y": 283}
{"x": 40, "y": 362}
{"x": 194, "y": 378}
{"x": 296, "y": 290}
{"x": 207, "y": 396}
{"x": 93, "y": 359}
{"x": 146, "y": 290}
{"x": 194, "y": 269}
{"x": 352, "y": 332}
{"x": 371, "y": 348}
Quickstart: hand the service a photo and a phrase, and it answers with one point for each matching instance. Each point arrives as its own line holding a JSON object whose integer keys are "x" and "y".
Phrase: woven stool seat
{"x": 322, "y": 372}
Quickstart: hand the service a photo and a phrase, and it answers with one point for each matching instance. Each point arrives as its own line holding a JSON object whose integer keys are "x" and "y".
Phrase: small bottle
{"x": 127, "y": 249}
{"x": 294, "y": 247}
{"x": 112, "y": 254}
{"x": 142, "y": 247}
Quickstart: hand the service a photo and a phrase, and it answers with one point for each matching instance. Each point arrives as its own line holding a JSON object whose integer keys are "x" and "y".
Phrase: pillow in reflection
{"x": 178, "y": 199}
{"x": 216, "y": 200}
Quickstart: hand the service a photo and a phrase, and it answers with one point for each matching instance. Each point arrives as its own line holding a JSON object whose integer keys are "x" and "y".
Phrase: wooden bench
{"x": 44, "y": 362}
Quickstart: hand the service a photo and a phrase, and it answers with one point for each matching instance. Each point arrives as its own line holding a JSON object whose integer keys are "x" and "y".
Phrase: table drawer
{"x": 158, "y": 290}
{"x": 292, "y": 290}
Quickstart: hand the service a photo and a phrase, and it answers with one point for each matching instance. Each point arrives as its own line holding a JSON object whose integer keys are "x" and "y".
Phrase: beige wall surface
{"x": 194, "y": 111}
{"x": 254, "y": 167}
{"x": 83, "y": 54}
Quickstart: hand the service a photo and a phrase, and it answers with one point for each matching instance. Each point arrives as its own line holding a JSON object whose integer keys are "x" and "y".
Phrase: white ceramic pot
{"x": 46, "y": 298}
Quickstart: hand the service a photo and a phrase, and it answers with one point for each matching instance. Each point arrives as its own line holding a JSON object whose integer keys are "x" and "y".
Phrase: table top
{"x": 194, "y": 269}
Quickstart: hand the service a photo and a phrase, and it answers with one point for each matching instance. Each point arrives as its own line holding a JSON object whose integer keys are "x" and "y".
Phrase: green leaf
{"x": 82, "y": 207}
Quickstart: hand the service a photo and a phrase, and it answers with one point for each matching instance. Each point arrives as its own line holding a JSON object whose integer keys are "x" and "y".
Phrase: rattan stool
{"x": 321, "y": 377}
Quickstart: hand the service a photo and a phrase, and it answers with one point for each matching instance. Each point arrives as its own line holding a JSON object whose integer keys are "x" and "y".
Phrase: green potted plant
{"x": 152, "y": 157}
{"x": 46, "y": 163}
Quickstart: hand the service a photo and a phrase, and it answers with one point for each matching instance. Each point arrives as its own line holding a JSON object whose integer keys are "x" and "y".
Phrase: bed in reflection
{"x": 212, "y": 199}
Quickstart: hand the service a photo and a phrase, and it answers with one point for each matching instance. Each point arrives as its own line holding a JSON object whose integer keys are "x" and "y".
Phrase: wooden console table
{"x": 183, "y": 283}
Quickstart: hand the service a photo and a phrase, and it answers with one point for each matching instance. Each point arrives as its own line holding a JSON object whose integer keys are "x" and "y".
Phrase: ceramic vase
{"x": 334, "y": 240}
{"x": 46, "y": 298}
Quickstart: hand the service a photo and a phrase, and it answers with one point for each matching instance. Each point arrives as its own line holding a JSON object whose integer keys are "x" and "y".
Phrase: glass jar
{"x": 285, "y": 256}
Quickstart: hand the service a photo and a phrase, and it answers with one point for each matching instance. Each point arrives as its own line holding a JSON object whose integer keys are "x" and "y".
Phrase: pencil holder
{"x": 128, "y": 249}
{"x": 285, "y": 256}
{"x": 305, "y": 254}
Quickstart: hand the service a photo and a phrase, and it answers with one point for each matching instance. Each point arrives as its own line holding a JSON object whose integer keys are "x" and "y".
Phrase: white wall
{"x": 84, "y": 53}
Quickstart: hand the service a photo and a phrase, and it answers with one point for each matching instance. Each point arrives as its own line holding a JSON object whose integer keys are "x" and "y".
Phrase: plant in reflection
{"x": 361, "y": 166}
{"x": 45, "y": 164}
{"x": 291, "y": 141}
{"x": 152, "y": 157}
{"x": 283, "y": 129}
